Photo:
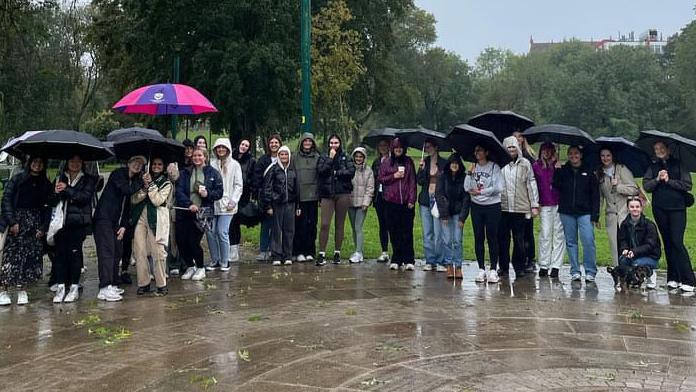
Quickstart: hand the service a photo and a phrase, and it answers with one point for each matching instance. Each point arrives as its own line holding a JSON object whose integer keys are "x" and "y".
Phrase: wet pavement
{"x": 353, "y": 328}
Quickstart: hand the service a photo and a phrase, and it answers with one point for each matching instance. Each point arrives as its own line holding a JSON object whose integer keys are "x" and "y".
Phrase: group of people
{"x": 155, "y": 213}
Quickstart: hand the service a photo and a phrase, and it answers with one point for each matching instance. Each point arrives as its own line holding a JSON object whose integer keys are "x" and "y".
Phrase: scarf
{"x": 151, "y": 208}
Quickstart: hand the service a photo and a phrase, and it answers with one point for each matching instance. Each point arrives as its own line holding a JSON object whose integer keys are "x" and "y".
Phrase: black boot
{"x": 554, "y": 273}
{"x": 162, "y": 291}
{"x": 143, "y": 290}
{"x": 126, "y": 278}
{"x": 321, "y": 259}
{"x": 543, "y": 272}
{"x": 337, "y": 258}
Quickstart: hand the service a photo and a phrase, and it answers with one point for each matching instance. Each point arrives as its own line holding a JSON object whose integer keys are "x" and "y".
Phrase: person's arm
{"x": 386, "y": 174}
{"x": 124, "y": 184}
{"x": 237, "y": 183}
{"x": 138, "y": 196}
{"x": 594, "y": 198}
{"x": 266, "y": 194}
{"x": 369, "y": 189}
{"x": 183, "y": 187}
{"x": 466, "y": 206}
{"x": 469, "y": 183}
{"x": 411, "y": 187}
{"x": 422, "y": 176}
{"x": 441, "y": 198}
{"x": 8, "y": 210}
{"x": 626, "y": 185}
{"x": 496, "y": 185}
{"x": 532, "y": 188}
{"x": 173, "y": 171}
{"x": 623, "y": 239}
{"x": 683, "y": 183}
{"x": 651, "y": 242}
{"x": 325, "y": 166}
{"x": 650, "y": 180}
{"x": 82, "y": 194}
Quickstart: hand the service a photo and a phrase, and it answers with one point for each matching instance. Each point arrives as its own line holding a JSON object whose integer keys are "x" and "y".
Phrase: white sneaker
{"x": 576, "y": 278}
{"x": 441, "y": 268}
{"x": 687, "y": 288}
{"x": 107, "y": 295}
{"x": 393, "y": 266}
{"x": 262, "y": 256}
{"x": 481, "y": 277}
{"x": 174, "y": 272}
{"x": 288, "y": 262}
{"x": 428, "y": 267}
{"x": 410, "y": 267}
{"x": 309, "y": 258}
{"x": 672, "y": 284}
{"x": 301, "y": 259}
{"x": 199, "y": 275}
{"x": 356, "y": 257}
{"x": 234, "y": 253}
{"x": 23, "y": 298}
{"x": 493, "y": 276}
{"x": 54, "y": 287}
{"x": 5, "y": 298}
{"x": 189, "y": 273}
{"x": 60, "y": 294}
{"x": 225, "y": 269}
{"x": 652, "y": 281}
{"x": 73, "y": 294}
{"x": 116, "y": 290}
{"x": 211, "y": 267}
{"x": 277, "y": 262}
{"x": 383, "y": 257}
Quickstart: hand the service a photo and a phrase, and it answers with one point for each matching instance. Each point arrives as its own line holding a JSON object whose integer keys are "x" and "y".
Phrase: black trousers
{"x": 235, "y": 230}
{"x": 400, "y": 225}
{"x": 188, "y": 240}
{"x": 127, "y": 248}
{"x": 672, "y": 225}
{"x": 515, "y": 223}
{"x": 283, "y": 231}
{"x": 382, "y": 219}
{"x": 529, "y": 242}
{"x": 305, "y": 240}
{"x": 484, "y": 221}
{"x": 67, "y": 261}
{"x": 109, "y": 251}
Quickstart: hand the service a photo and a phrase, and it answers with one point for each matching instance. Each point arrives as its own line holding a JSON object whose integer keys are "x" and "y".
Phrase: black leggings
{"x": 382, "y": 219}
{"x": 485, "y": 220}
{"x": 400, "y": 225}
{"x": 305, "y": 239}
{"x": 67, "y": 262}
{"x": 529, "y": 242}
{"x": 235, "y": 230}
{"x": 672, "y": 224}
{"x": 188, "y": 239}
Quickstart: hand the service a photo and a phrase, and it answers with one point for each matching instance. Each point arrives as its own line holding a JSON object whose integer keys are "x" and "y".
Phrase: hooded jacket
{"x": 232, "y": 182}
{"x": 645, "y": 235}
{"x": 363, "y": 182}
{"x": 423, "y": 179}
{"x": 335, "y": 174}
{"x": 520, "y": 193}
{"x": 79, "y": 199}
{"x": 579, "y": 191}
{"x": 246, "y": 163}
{"x": 212, "y": 182}
{"x": 548, "y": 195}
{"x": 12, "y": 195}
{"x": 114, "y": 204}
{"x": 615, "y": 197}
{"x": 305, "y": 164}
{"x": 398, "y": 190}
{"x": 669, "y": 195}
{"x": 158, "y": 196}
{"x": 450, "y": 195}
{"x": 279, "y": 184}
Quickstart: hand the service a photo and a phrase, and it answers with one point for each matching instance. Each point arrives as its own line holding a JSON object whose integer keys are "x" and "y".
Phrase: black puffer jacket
{"x": 579, "y": 191}
{"x": 335, "y": 175}
{"x": 247, "y": 163}
{"x": 668, "y": 195}
{"x": 259, "y": 169}
{"x": 79, "y": 200}
{"x": 647, "y": 240}
{"x": 113, "y": 204}
{"x": 279, "y": 186}
{"x": 450, "y": 195}
{"x": 12, "y": 195}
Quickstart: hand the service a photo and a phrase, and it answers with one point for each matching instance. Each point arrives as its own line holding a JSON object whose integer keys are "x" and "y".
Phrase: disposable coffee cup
{"x": 402, "y": 169}
{"x": 201, "y": 188}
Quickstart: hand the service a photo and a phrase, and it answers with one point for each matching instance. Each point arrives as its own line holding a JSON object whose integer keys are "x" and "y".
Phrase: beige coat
{"x": 160, "y": 198}
{"x": 363, "y": 186}
{"x": 615, "y": 197}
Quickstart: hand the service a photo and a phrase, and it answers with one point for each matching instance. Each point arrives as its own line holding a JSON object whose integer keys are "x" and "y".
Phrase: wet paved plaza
{"x": 353, "y": 328}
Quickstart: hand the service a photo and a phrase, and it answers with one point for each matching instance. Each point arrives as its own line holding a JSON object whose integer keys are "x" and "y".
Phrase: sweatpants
{"x": 551, "y": 238}
{"x": 144, "y": 244}
{"x": 188, "y": 239}
{"x": 672, "y": 224}
{"x": 305, "y": 241}
{"x": 283, "y": 231}
{"x": 339, "y": 205}
{"x": 67, "y": 262}
{"x": 400, "y": 224}
{"x": 382, "y": 220}
{"x": 109, "y": 251}
{"x": 484, "y": 221}
{"x": 357, "y": 219}
{"x": 515, "y": 223}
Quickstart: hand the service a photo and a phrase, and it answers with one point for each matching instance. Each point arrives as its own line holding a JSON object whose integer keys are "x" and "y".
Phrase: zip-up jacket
{"x": 212, "y": 182}
{"x": 335, "y": 175}
{"x": 450, "y": 195}
{"x": 279, "y": 186}
{"x": 579, "y": 191}
{"x": 668, "y": 195}
{"x": 520, "y": 193}
{"x": 305, "y": 164}
{"x": 548, "y": 195}
{"x": 641, "y": 238}
{"x": 423, "y": 179}
{"x": 363, "y": 184}
{"x": 614, "y": 197}
{"x": 79, "y": 199}
{"x": 398, "y": 190}
{"x": 114, "y": 204}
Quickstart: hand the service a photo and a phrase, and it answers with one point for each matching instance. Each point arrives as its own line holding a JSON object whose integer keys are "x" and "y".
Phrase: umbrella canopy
{"x": 465, "y": 137}
{"x": 501, "y": 122}
{"x": 9, "y": 148}
{"x": 416, "y": 138}
{"x": 680, "y": 147}
{"x": 559, "y": 134}
{"x": 124, "y": 133}
{"x": 62, "y": 144}
{"x": 625, "y": 152}
{"x": 375, "y": 135}
{"x": 151, "y": 147}
{"x": 163, "y": 99}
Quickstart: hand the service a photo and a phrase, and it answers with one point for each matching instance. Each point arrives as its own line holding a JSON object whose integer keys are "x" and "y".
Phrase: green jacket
{"x": 305, "y": 164}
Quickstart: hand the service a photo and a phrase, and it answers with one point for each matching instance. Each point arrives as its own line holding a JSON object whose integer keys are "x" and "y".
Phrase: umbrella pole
{"x": 423, "y": 151}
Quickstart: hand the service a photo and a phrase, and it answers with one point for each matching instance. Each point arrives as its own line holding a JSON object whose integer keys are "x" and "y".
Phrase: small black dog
{"x": 629, "y": 276}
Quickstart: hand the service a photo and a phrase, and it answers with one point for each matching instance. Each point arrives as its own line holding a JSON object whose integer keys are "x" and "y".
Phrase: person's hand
{"x": 662, "y": 175}
{"x": 421, "y": 164}
{"x": 399, "y": 174}
{"x": 39, "y": 234}
{"x": 147, "y": 179}
{"x": 630, "y": 254}
{"x": 60, "y": 187}
{"x": 231, "y": 206}
{"x": 472, "y": 168}
{"x": 410, "y": 206}
{"x": 614, "y": 181}
{"x": 666, "y": 177}
{"x": 557, "y": 165}
{"x": 298, "y": 212}
{"x": 269, "y": 211}
{"x": 193, "y": 208}
{"x": 364, "y": 208}
{"x": 475, "y": 192}
{"x": 120, "y": 233}
{"x": 625, "y": 252}
{"x": 203, "y": 192}
{"x": 332, "y": 153}
{"x": 14, "y": 229}
{"x": 535, "y": 211}
{"x": 461, "y": 224}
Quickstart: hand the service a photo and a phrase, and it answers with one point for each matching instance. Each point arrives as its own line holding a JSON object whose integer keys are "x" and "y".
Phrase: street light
{"x": 306, "y": 61}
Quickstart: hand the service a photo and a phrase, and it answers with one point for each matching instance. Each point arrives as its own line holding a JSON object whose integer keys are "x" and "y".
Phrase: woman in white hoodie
{"x": 225, "y": 208}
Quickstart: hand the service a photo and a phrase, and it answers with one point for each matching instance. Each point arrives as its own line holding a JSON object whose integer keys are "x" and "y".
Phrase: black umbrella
{"x": 61, "y": 144}
{"x": 375, "y": 135}
{"x": 501, "y": 122}
{"x": 465, "y": 137}
{"x": 625, "y": 152}
{"x": 416, "y": 138}
{"x": 680, "y": 147}
{"x": 559, "y": 134}
{"x": 151, "y": 147}
{"x": 124, "y": 133}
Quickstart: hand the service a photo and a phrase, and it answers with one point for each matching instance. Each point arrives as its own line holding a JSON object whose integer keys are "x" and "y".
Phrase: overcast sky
{"x": 468, "y": 26}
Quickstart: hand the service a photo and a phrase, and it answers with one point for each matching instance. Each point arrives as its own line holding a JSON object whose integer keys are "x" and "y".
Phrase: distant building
{"x": 651, "y": 39}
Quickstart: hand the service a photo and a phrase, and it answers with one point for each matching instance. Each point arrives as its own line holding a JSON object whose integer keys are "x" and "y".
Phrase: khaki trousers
{"x": 144, "y": 244}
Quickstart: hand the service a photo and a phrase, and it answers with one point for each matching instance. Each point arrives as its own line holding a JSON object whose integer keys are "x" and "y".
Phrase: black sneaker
{"x": 321, "y": 260}
{"x": 530, "y": 268}
{"x": 543, "y": 272}
{"x": 337, "y": 258}
{"x": 143, "y": 290}
{"x": 126, "y": 278}
{"x": 162, "y": 291}
{"x": 519, "y": 274}
{"x": 503, "y": 274}
{"x": 554, "y": 273}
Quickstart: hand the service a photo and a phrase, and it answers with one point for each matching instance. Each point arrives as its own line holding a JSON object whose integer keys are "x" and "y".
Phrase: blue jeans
{"x": 219, "y": 240}
{"x": 646, "y": 261}
{"x": 571, "y": 226}
{"x": 265, "y": 234}
{"x": 432, "y": 238}
{"x": 452, "y": 237}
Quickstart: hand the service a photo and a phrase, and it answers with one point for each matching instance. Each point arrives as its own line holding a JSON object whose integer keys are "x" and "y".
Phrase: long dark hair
{"x": 600, "y": 170}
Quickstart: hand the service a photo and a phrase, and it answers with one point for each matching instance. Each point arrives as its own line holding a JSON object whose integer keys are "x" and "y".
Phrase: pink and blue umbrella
{"x": 164, "y": 99}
